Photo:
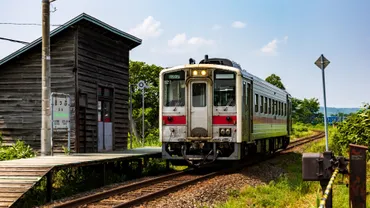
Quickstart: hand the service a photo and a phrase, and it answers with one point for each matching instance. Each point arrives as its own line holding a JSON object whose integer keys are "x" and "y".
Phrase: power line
{"x": 12, "y": 40}
{"x": 32, "y": 24}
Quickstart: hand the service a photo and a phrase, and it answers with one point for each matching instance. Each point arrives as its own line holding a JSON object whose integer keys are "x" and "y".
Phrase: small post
{"x": 131, "y": 130}
{"x": 357, "y": 179}
{"x": 49, "y": 186}
{"x": 143, "y": 90}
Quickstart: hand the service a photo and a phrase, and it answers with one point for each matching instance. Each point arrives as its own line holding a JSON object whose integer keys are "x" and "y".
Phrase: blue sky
{"x": 265, "y": 37}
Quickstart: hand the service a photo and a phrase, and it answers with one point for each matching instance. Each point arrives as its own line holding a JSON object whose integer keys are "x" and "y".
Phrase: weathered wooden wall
{"x": 20, "y": 91}
{"x": 102, "y": 60}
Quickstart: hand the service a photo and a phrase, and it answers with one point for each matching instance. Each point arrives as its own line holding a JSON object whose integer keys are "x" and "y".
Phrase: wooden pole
{"x": 45, "y": 88}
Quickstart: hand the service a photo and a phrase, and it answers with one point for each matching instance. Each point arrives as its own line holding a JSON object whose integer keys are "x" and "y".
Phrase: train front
{"x": 198, "y": 113}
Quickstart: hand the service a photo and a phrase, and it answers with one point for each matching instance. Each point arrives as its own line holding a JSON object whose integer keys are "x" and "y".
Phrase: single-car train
{"x": 215, "y": 110}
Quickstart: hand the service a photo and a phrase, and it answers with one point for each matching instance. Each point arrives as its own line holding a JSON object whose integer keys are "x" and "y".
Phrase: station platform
{"x": 20, "y": 175}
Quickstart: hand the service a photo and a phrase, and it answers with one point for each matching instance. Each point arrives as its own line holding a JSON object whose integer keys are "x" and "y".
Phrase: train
{"x": 215, "y": 110}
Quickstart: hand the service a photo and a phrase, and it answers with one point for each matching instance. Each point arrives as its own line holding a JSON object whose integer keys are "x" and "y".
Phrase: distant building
{"x": 89, "y": 61}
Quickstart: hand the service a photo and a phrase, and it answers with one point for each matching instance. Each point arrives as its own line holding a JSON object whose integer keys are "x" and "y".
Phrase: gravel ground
{"x": 216, "y": 190}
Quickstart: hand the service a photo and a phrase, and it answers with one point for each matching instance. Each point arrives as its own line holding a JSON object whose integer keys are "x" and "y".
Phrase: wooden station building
{"x": 89, "y": 61}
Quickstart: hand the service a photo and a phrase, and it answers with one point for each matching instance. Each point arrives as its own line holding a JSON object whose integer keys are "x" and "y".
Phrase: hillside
{"x": 332, "y": 110}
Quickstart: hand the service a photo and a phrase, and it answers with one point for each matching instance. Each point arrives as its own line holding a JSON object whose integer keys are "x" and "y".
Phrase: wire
{"x": 33, "y": 24}
{"x": 12, "y": 40}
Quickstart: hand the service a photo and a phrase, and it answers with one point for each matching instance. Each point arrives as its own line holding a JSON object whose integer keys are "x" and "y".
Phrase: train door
{"x": 246, "y": 111}
{"x": 199, "y": 100}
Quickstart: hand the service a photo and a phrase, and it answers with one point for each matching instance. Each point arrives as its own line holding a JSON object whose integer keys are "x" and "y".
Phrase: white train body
{"x": 215, "y": 110}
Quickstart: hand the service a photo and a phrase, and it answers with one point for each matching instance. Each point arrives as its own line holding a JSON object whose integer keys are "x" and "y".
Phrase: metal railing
{"x": 328, "y": 189}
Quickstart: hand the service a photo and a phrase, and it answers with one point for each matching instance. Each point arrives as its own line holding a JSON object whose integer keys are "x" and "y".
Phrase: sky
{"x": 264, "y": 37}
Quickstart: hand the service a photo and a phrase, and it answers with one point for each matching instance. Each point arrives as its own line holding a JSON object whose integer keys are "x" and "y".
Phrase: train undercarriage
{"x": 199, "y": 153}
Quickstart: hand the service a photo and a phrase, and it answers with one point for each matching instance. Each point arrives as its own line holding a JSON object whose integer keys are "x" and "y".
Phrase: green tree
{"x": 275, "y": 80}
{"x": 307, "y": 111}
{"x": 150, "y": 74}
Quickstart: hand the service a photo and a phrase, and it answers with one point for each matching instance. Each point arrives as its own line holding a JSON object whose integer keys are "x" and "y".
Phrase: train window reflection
{"x": 199, "y": 95}
{"x": 174, "y": 89}
{"x": 224, "y": 89}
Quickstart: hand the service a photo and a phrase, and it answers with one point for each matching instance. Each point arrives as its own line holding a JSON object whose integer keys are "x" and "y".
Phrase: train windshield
{"x": 174, "y": 89}
{"x": 224, "y": 88}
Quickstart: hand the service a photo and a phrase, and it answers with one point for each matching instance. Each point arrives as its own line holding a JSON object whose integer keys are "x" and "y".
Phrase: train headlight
{"x": 195, "y": 73}
{"x": 204, "y": 72}
{"x": 222, "y": 132}
{"x": 228, "y": 132}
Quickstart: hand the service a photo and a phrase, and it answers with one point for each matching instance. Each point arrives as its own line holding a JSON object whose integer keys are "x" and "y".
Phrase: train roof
{"x": 230, "y": 65}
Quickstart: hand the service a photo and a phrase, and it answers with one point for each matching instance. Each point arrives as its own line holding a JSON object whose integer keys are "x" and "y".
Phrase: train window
{"x": 174, "y": 89}
{"x": 278, "y": 113}
{"x": 256, "y": 103}
{"x": 265, "y": 105}
{"x": 224, "y": 88}
{"x": 269, "y": 105}
{"x": 273, "y": 107}
{"x": 280, "y": 108}
{"x": 199, "y": 95}
{"x": 284, "y": 109}
{"x": 261, "y": 109}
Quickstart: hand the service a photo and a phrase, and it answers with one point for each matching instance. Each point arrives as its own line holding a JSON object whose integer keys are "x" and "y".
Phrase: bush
{"x": 354, "y": 130}
{"x": 16, "y": 151}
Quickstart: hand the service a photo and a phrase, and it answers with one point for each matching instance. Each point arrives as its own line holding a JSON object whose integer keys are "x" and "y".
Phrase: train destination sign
{"x": 60, "y": 111}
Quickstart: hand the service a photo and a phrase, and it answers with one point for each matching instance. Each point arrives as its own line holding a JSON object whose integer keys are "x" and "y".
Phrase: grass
{"x": 290, "y": 190}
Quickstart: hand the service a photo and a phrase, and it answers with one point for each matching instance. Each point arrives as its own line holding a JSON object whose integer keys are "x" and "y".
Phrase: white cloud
{"x": 182, "y": 40}
{"x": 180, "y": 43}
{"x": 148, "y": 28}
{"x": 216, "y": 27}
{"x": 238, "y": 24}
{"x": 271, "y": 47}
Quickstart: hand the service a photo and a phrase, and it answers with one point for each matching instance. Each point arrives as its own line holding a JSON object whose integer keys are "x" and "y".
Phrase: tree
{"x": 150, "y": 74}
{"x": 275, "y": 80}
{"x": 307, "y": 111}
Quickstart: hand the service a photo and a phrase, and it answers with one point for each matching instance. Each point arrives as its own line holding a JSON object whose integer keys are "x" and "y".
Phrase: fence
{"x": 324, "y": 167}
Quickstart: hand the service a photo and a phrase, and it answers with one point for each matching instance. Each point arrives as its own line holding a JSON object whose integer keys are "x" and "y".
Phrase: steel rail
{"x": 156, "y": 193}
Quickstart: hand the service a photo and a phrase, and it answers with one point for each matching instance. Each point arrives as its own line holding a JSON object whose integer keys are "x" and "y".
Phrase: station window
{"x": 256, "y": 103}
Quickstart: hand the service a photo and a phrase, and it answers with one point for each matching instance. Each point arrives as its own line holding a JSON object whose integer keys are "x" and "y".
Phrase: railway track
{"x": 139, "y": 192}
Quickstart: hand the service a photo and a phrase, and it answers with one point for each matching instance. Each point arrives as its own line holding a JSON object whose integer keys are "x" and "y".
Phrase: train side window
{"x": 256, "y": 103}
{"x": 269, "y": 105}
{"x": 261, "y": 109}
{"x": 265, "y": 105}
{"x": 279, "y": 109}
{"x": 284, "y": 109}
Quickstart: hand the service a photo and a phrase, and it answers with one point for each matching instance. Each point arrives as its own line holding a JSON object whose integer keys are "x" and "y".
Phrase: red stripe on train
{"x": 174, "y": 120}
{"x": 224, "y": 120}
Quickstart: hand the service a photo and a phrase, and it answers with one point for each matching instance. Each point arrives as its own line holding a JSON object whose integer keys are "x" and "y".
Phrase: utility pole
{"x": 45, "y": 86}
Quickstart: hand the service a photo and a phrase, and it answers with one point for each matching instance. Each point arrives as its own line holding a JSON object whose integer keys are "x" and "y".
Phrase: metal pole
{"x": 325, "y": 113}
{"x": 131, "y": 136}
{"x": 52, "y": 125}
{"x": 45, "y": 73}
{"x": 143, "y": 119}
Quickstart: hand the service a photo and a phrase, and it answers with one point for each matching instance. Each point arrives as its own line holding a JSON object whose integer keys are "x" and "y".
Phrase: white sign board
{"x": 60, "y": 112}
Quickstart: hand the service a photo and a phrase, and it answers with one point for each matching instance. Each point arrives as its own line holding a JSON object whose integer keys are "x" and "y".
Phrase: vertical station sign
{"x": 60, "y": 115}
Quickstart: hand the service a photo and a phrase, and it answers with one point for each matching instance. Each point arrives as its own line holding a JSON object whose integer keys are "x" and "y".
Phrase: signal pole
{"x": 45, "y": 76}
